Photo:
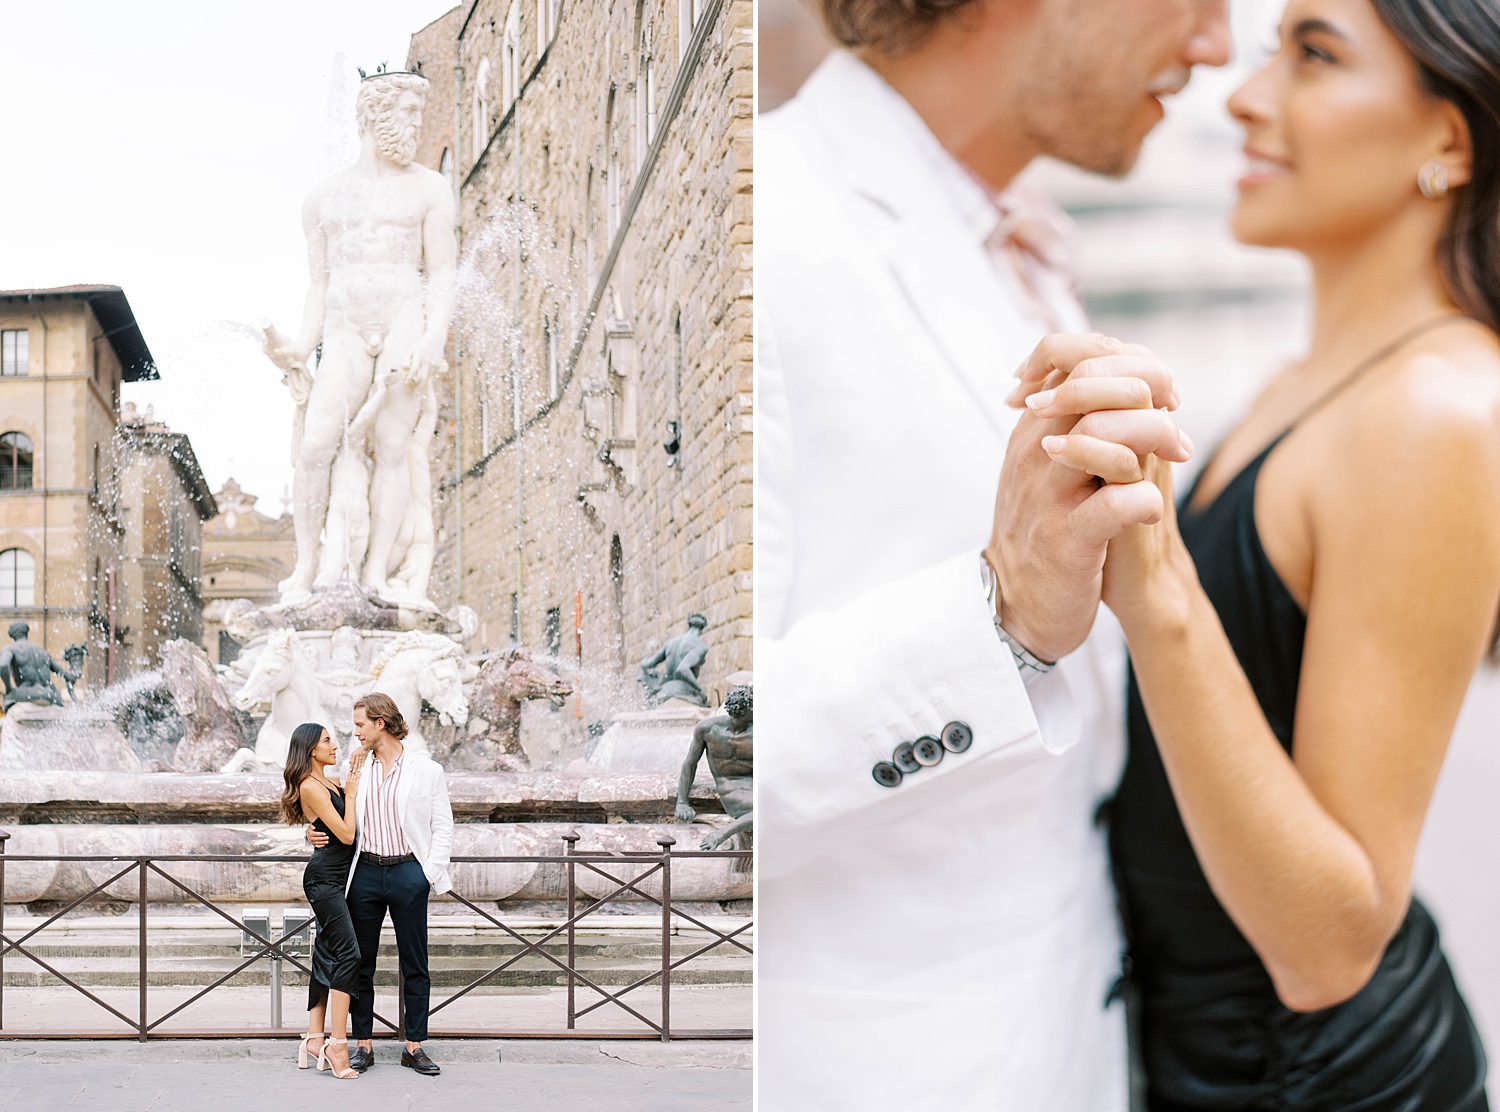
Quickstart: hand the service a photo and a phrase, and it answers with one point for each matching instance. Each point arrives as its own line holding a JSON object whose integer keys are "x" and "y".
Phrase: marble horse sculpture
{"x": 283, "y": 676}
{"x": 418, "y": 667}
{"x": 413, "y": 668}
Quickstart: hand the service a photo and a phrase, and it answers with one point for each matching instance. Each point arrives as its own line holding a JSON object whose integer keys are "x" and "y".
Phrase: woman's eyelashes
{"x": 1311, "y": 52}
{"x": 1306, "y": 49}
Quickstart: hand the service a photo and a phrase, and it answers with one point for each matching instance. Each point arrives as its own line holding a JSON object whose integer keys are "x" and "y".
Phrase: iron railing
{"x": 143, "y": 1027}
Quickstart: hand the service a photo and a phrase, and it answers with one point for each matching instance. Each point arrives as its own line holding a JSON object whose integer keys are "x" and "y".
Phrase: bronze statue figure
{"x": 728, "y": 739}
{"x": 27, "y": 668}
{"x": 682, "y": 656}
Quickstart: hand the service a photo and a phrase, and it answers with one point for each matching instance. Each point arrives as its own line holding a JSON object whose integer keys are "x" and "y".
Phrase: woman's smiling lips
{"x": 1260, "y": 168}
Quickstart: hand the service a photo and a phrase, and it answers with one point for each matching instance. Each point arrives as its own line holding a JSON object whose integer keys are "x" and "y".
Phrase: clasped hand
{"x": 1084, "y": 509}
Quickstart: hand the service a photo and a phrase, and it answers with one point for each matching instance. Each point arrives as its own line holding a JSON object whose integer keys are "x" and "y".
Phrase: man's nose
{"x": 1210, "y": 44}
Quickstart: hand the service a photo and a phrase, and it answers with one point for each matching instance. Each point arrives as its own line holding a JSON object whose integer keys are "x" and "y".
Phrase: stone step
{"x": 437, "y": 948}
{"x": 187, "y": 951}
{"x": 529, "y": 972}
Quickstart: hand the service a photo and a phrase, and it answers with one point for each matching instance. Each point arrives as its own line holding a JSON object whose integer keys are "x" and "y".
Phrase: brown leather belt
{"x": 376, "y": 859}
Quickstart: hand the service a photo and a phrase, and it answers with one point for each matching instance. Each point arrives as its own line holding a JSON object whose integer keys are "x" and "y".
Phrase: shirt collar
{"x": 892, "y": 156}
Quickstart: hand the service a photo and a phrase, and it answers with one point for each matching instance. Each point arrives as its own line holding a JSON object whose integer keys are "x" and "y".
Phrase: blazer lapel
{"x": 892, "y": 165}
{"x": 955, "y": 297}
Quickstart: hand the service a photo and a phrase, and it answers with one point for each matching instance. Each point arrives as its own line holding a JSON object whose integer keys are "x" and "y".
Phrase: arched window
{"x": 645, "y": 87}
{"x": 510, "y": 64}
{"x": 445, "y": 164}
{"x": 15, "y": 461}
{"x": 588, "y": 224}
{"x": 17, "y": 578}
{"x": 554, "y": 364}
{"x": 546, "y": 24}
{"x": 481, "y": 109}
{"x": 687, "y": 19}
{"x": 611, "y": 173}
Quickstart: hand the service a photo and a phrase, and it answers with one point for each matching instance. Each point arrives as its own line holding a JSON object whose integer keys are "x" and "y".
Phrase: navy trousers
{"x": 401, "y": 890}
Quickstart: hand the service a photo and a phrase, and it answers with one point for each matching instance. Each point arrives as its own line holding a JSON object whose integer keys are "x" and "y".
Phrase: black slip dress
{"x": 335, "y": 958}
{"x": 1212, "y": 1033}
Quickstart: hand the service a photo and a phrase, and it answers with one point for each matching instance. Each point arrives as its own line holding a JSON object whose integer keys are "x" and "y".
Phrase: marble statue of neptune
{"x": 381, "y": 254}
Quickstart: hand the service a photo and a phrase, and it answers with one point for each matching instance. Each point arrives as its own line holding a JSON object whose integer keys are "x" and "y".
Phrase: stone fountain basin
{"x": 39, "y": 797}
{"x": 706, "y": 879}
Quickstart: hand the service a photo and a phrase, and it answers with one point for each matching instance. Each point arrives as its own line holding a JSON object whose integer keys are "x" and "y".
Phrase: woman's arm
{"x": 1311, "y": 854}
{"x": 351, "y": 789}
{"x": 316, "y": 802}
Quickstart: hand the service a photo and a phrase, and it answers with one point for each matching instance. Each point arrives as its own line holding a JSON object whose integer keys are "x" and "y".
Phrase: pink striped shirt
{"x": 383, "y": 834}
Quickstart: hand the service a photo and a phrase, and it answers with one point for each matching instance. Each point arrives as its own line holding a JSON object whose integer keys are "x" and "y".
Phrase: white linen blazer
{"x": 425, "y": 815}
{"x": 948, "y": 943}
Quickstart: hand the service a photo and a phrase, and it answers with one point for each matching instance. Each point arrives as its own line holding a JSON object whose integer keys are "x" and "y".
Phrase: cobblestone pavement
{"x": 257, "y": 1075}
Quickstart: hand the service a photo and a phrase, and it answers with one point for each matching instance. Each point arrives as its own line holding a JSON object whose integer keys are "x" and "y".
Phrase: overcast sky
{"x": 165, "y": 146}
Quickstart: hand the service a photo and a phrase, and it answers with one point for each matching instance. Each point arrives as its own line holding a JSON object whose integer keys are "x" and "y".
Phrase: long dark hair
{"x": 299, "y": 765}
{"x": 1456, "y": 45}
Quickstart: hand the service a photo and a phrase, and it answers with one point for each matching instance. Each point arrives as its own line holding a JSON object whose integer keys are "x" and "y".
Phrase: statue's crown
{"x": 381, "y": 71}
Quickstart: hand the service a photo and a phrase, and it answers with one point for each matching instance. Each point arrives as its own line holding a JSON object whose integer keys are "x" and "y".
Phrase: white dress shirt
{"x": 947, "y": 943}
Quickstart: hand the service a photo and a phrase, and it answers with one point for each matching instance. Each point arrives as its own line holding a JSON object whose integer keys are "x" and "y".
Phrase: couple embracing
{"x": 937, "y": 877}
{"x": 382, "y": 842}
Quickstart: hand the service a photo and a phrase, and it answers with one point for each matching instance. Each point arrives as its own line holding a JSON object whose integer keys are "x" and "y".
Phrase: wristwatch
{"x": 1031, "y": 666}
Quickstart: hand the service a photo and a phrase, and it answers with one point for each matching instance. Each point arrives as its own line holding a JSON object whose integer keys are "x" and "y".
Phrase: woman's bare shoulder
{"x": 1441, "y": 399}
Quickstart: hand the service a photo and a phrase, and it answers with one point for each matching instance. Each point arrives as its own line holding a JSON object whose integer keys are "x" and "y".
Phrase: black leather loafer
{"x": 417, "y": 1059}
{"x": 360, "y": 1058}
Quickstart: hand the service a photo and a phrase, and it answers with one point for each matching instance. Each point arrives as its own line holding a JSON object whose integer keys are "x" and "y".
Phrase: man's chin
{"x": 1114, "y": 160}
{"x": 1116, "y": 163}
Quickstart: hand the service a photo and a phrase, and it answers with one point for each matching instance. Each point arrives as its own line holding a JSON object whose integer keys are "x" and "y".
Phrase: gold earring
{"x": 1432, "y": 180}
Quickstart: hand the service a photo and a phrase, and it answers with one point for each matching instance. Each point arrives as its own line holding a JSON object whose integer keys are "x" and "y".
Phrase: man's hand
{"x": 685, "y": 813}
{"x": 1092, "y": 404}
{"x": 315, "y": 836}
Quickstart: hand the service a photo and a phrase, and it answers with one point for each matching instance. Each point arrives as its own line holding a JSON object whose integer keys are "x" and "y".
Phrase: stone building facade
{"x": 163, "y": 502}
{"x": 597, "y": 431}
{"x": 246, "y": 554}
{"x": 63, "y": 354}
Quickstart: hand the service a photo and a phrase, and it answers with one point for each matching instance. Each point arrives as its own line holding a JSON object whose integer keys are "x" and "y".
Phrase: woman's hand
{"x": 1147, "y": 570}
{"x": 356, "y": 768}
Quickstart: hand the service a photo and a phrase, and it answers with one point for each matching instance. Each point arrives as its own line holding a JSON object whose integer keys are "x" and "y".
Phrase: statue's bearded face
{"x": 390, "y": 111}
{"x": 396, "y": 129}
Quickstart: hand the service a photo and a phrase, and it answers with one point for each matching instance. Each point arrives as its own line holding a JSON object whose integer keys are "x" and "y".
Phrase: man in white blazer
{"x": 403, "y": 841}
{"x": 936, "y": 924}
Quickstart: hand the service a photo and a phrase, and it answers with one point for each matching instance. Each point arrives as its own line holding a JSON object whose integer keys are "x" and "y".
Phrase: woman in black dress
{"x": 312, "y": 794}
{"x": 1303, "y": 632}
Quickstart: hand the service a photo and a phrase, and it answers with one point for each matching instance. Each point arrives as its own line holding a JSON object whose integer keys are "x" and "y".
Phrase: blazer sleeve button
{"x": 904, "y": 759}
{"x": 886, "y": 774}
{"x": 928, "y": 751}
{"x": 957, "y": 737}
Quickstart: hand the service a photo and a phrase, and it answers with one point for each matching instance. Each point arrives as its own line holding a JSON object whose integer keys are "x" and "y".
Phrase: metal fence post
{"x": 276, "y": 990}
{"x": 140, "y": 864}
{"x": 4, "y": 837}
{"x": 571, "y": 838}
{"x": 666, "y": 841}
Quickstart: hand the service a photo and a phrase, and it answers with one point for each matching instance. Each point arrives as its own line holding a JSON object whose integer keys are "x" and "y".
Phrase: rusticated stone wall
{"x": 605, "y": 219}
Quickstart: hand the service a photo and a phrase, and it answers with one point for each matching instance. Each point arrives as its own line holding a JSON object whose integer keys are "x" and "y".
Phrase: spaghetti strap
{"x": 1369, "y": 362}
